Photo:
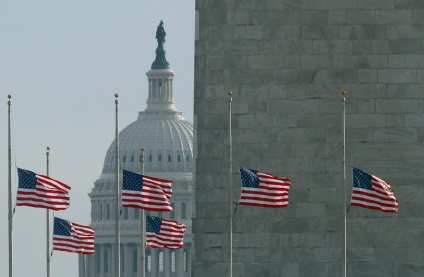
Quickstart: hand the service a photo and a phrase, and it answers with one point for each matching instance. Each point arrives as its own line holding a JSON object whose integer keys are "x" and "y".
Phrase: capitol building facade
{"x": 167, "y": 139}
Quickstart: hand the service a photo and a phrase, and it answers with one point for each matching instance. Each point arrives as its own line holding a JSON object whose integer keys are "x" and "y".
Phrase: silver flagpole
{"x": 344, "y": 185}
{"x": 143, "y": 227}
{"x": 230, "y": 197}
{"x": 48, "y": 222}
{"x": 117, "y": 191}
{"x": 10, "y": 215}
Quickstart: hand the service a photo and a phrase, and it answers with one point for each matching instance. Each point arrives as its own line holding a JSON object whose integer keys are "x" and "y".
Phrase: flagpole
{"x": 10, "y": 215}
{"x": 143, "y": 228}
{"x": 344, "y": 185}
{"x": 117, "y": 190}
{"x": 230, "y": 197}
{"x": 48, "y": 221}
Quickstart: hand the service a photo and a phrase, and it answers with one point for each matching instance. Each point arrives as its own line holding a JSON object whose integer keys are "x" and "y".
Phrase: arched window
{"x": 150, "y": 158}
{"x": 173, "y": 261}
{"x": 107, "y": 211}
{"x": 179, "y": 158}
{"x": 160, "y": 158}
{"x": 169, "y": 158}
{"x": 132, "y": 158}
{"x": 183, "y": 210}
{"x": 101, "y": 212}
{"x": 135, "y": 261}
{"x": 124, "y": 159}
{"x": 188, "y": 158}
{"x": 160, "y": 261}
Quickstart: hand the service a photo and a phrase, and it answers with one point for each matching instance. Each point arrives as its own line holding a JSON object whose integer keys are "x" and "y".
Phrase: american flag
{"x": 163, "y": 233}
{"x": 40, "y": 191}
{"x": 373, "y": 193}
{"x": 263, "y": 189}
{"x": 145, "y": 192}
{"x": 72, "y": 237}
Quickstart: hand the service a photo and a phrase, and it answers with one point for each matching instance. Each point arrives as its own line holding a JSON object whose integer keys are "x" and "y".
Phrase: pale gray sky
{"x": 62, "y": 62}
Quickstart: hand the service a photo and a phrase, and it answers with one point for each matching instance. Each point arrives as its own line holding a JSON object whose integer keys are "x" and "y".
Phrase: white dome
{"x": 160, "y": 129}
{"x": 167, "y": 142}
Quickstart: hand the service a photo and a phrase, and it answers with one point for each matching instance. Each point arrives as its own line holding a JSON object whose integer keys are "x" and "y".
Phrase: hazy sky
{"x": 62, "y": 62}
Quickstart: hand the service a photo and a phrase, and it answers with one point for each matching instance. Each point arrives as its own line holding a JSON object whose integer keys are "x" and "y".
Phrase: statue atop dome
{"x": 160, "y": 34}
{"x": 160, "y": 61}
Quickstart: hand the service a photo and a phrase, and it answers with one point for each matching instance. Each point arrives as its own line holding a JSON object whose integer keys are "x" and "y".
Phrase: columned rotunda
{"x": 168, "y": 142}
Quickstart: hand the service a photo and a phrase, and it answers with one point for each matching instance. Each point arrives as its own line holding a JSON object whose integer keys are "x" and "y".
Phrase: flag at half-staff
{"x": 72, "y": 237}
{"x": 41, "y": 191}
{"x": 263, "y": 190}
{"x": 146, "y": 192}
{"x": 371, "y": 192}
{"x": 164, "y": 233}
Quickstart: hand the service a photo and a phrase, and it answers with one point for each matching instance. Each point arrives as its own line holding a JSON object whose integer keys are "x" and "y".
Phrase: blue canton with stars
{"x": 27, "y": 179}
{"x": 249, "y": 178}
{"x": 361, "y": 179}
{"x": 153, "y": 224}
{"x": 61, "y": 227}
{"x": 132, "y": 181}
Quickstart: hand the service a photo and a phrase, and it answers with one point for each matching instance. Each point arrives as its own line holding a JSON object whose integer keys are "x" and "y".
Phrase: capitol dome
{"x": 167, "y": 139}
{"x": 160, "y": 129}
{"x": 164, "y": 134}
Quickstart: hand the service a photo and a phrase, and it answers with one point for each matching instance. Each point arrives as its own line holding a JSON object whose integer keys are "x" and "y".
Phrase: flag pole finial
{"x": 9, "y": 96}
{"x": 116, "y": 95}
{"x": 344, "y": 93}
{"x": 230, "y": 93}
{"x": 142, "y": 149}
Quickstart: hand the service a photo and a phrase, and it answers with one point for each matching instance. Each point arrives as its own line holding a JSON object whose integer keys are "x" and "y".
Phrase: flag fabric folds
{"x": 373, "y": 193}
{"x": 163, "y": 233}
{"x": 263, "y": 189}
{"x": 72, "y": 237}
{"x": 40, "y": 191}
{"x": 145, "y": 192}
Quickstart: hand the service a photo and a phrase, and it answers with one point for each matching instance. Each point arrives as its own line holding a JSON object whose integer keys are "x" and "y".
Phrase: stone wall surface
{"x": 287, "y": 62}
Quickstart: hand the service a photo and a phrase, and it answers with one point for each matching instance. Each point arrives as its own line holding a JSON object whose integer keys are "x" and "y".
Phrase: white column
{"x": 150, "y": 89}
{"x": 171, "y": 87}
{"x": 81, "y": 265}
{"x": 189, "y": 260}
{"x": 128, "y": 269}
{"x": 166, "y": 85}
{"x": 100, "y": 247}
{"x": 93, "y": 264}
{"x": 90, "y": 265}
{"x": 138, "y": 245}
{"x": 155, "y": 262}
{"x": 166, "y": 262}
{"x": 112, "y": 258}
{"x": 156, "y": 89}
{"x": 153, "y": 89}
{"x": 110, "y": 261}
{"x": 179, "y": 262}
